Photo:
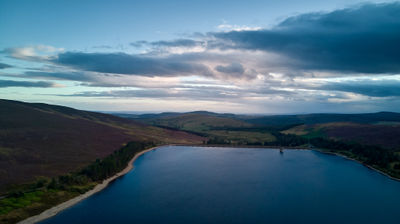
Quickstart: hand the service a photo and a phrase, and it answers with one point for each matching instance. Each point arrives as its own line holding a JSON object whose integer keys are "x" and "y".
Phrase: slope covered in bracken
{"x": 47, "y": 140}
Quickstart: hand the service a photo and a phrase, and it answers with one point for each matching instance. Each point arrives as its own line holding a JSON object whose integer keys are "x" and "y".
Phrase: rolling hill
{"x": 382, "y": 134}
{"x": 233, "y": 120}
{"x": 224, "y": 127}
{"x": 198, "y": 122}
{"x": 368, "y": 118}
{"x": 380, "y": 129}
{"x": 47, "y": 140}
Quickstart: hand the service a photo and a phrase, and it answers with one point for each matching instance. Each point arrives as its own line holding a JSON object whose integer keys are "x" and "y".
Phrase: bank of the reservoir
{"x": 56, "y": 209}
{"x": 176, "y": 184}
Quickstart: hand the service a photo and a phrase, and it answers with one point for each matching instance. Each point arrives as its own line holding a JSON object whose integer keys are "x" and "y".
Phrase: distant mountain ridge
{"x": 281, "y": 119}
{"x": 382, "y": 128}
{"x": 325, "y": 118}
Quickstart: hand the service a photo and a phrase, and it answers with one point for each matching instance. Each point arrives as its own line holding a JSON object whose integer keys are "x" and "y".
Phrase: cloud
{"x": 140, "y": 43}
{"x": 187, "y": 92}
{"x": 94, "y": 79}
{"x": 178, "y": 43}
{"x": 71, "y": 76}
{"x": 103, "y": 47}
{"x": 32, "y": 53}
{"x": 183, "y": 93}
{"x": 359, "y": 40}
{"x": 168, "y": 43}
{"x": 121, "y": 63}
{"x": 231, "y": 68}
{"x": 168, "y": 47}
{"x": 11, "y": 83}
{"x": 3, "y": 66}
{"x": 296, "y": 63}
{"x": 373, "y": 88}
{"x": 229, "y": 27}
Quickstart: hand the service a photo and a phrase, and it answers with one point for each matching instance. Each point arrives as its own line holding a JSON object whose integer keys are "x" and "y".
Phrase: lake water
{"x": 241, "y": 185}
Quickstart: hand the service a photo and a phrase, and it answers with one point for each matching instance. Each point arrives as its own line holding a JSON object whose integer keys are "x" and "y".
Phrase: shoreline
{"x": 302, "y": 148}
{"x": 249, "y": 146}
{"x": 349, "y": 158}
{"x": 71, "y": 202}
{"x": 312, "y": 149}
{"x": 99, "y": 187}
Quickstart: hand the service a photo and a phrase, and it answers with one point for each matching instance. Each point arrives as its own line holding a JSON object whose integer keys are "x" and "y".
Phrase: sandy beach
{"x": 56, "y": 209}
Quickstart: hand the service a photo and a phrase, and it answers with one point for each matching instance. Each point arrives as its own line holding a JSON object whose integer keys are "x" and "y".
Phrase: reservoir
{"x": 179, "y": 184}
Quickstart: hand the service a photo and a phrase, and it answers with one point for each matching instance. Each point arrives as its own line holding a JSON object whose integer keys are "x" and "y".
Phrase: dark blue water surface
{"x": 241, "y": 185}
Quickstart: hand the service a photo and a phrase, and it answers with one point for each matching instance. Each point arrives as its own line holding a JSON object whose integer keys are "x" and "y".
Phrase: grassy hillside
{"x": 221, "y": 127}
{"x": 383, "y": 134}
{"x": 31, "y": 199}
{"x": 369, "y": 118}
{"x": 373, "y": 139}
{"x": 197, "y": 122}
{"x": 47, "y": 140}
{"x": 381, "y": 129}
{"x": 233, "y": 120}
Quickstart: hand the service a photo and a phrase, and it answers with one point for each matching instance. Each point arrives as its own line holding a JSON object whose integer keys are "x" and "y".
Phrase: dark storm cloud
{"x": 364, "y": 39}
{"x": 231, "y": 68}
{"x": 382, "y": 88}
{"x": 11, "y": 83}
{"x": 122, "y": 63}
{"x": 3, "y": 66}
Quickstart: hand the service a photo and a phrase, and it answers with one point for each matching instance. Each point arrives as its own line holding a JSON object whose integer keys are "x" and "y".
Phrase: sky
{"x": 247, "y": 57}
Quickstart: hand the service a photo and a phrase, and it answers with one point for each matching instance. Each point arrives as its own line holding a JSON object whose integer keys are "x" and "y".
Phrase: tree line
{"x": 102, "y": 168}
{"x": 369, "y": 154}
{"x": 372, "y": 155}
{"x": 287, "y": 140}
{"x": 44, "y": 192}
{"x": 84, "y": 179}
